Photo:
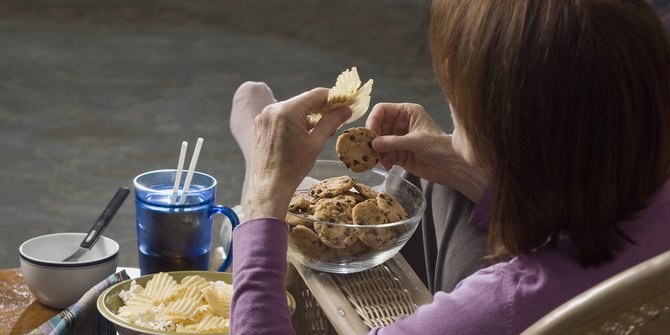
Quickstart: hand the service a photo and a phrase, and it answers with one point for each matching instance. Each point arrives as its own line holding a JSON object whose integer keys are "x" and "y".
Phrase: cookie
{"x": 354, "y": 148}
{"x": 331, "y": 187}
{"x": 298, "y": 204}
{"x": 353, "y": 250}
{"x": 359, "y": 197}
{"x": 304, "y": 233}
{"x": 368, "y": 213}
{"x": 347, "y": 198}
{"x": 304, "y": 240}
{"x": 391, "y": 207}
{"x": 337, "y": 237}
{"x": 393, "y": 210}
{"x": 299, "y": 219}
{"x": 332, "y": 211}
{"x": 365, "y": 190}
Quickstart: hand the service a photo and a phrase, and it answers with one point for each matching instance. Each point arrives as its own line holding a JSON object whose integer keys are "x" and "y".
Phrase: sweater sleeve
{"x": 480, "y": 304}
{"x": 259, "y": 304}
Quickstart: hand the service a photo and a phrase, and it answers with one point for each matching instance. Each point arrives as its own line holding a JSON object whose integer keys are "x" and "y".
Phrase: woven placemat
{"x": 354, "y": 303}
{"x": 316, "y": 323}
{"x": 376, "y": 295}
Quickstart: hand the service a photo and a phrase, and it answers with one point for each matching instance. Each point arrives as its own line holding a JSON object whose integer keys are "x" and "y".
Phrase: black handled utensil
{"x": 100, "y": 225}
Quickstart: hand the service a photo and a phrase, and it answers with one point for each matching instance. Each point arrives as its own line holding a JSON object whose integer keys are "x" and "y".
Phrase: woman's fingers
{"x": 384, "y": 117}
{"x": 306, "y": 102}
{"x": 388, "y": 143}
{"x": 395, "y": 149}
{"x": 329, "y": 123}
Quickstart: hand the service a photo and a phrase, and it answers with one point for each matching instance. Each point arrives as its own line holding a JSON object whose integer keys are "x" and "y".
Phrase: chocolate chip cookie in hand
{"x": 354, "y": 148}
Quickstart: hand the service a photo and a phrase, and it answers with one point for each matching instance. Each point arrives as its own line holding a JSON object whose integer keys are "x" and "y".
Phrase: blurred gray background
{"x": 95, "y": 92}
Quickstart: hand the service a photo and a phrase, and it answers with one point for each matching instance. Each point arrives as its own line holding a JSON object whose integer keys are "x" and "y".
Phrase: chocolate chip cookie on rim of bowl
{"x": 343, "y": 221}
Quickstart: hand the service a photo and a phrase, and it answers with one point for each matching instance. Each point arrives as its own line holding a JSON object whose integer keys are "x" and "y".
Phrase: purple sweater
{"x": 504, "y": 298}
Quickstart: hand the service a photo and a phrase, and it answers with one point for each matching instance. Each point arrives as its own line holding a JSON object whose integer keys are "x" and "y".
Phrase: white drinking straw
{"x": 191, "y": 168}
{"x": 180, "y": 168}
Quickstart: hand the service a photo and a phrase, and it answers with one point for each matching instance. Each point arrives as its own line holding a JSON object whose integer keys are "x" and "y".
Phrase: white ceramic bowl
{"x": 109, "y": 301}
{"x": 59, "y": 284}
{"x": 317, "y": 256}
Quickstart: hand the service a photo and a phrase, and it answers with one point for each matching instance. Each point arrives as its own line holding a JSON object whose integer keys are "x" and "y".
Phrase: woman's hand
{"x": 409, "y": 137}
{"x": 284, "y": 150}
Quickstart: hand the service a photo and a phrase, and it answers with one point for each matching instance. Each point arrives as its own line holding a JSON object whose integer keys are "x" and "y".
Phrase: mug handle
{"x": 234, "y": 221}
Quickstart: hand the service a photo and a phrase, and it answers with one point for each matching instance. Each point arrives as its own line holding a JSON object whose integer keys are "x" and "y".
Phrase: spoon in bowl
{"x": 100, "y": 225}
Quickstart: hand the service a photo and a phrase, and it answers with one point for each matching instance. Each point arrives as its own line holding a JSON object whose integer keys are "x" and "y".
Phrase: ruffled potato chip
{"x": 180, "y": 309}
{"x": 135, "y": 307}
{"x": 197, "y": 281}
{"x": 219, "y": 299}
{"x": 161, "y": 288}
{"x": 209, "y": 324}
{"x": 346, "y": 85}
{"x": 346, "y": 92}
{"x": 191, "y": 292}
{"x": 193, "y": 305}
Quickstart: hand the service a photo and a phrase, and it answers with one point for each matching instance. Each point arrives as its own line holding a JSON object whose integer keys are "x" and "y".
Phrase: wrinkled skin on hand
{"x": 410, "y": 138}
{"x": 285, "y": 148}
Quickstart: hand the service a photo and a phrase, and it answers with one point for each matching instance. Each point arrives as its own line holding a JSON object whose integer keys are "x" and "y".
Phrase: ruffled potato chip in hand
{"x": 347, "y": 92}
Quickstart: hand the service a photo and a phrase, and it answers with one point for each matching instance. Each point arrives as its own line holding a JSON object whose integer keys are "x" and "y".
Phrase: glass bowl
{"x": 355, "y": 256}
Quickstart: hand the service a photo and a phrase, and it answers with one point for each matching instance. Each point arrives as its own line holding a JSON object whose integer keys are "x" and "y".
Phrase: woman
{"x": 561, "y": 106}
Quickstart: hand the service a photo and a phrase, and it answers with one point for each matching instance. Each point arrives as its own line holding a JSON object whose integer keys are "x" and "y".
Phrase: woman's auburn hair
{"x": 566, "y": 104}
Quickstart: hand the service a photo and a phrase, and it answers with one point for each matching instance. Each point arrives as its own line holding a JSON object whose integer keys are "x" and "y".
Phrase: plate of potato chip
{"x": 180, "y": 302}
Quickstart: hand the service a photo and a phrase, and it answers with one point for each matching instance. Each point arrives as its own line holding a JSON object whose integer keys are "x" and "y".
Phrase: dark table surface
{"x": 94, "y": 92}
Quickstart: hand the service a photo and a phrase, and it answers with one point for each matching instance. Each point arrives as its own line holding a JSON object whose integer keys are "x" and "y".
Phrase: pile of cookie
{"x": 343, "y": 200}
